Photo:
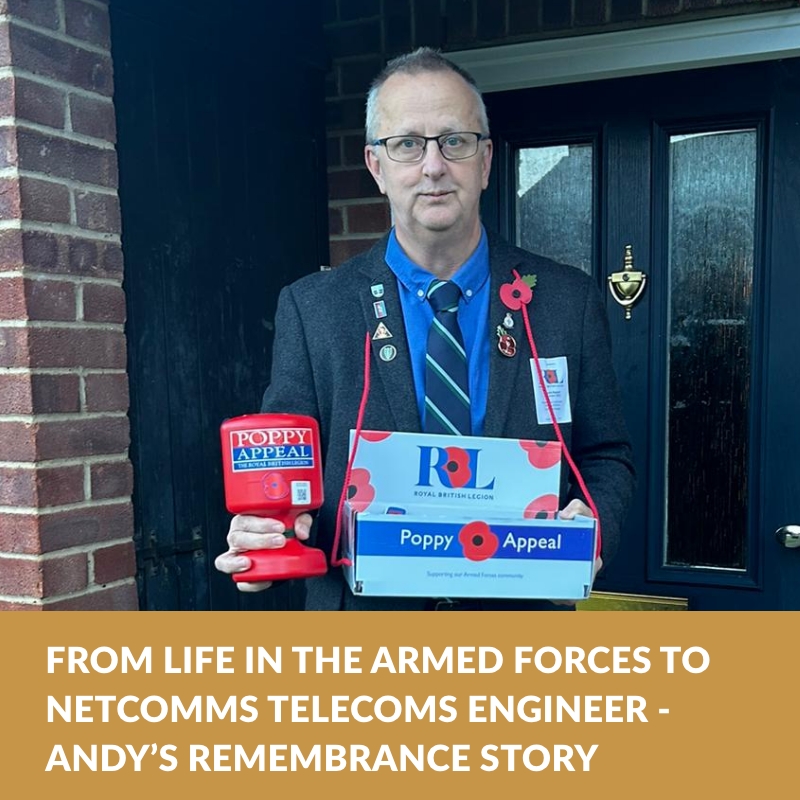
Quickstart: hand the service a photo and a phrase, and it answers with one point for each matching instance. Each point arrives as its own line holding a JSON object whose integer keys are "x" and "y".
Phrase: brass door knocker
{"x": 627, "y": 286}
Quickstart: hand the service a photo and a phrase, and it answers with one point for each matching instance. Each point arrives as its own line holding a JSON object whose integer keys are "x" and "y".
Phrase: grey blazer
{"x": 318, "y": 365}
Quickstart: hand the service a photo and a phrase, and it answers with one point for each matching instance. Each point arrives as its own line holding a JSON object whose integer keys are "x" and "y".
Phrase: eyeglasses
{"x": 454, "y": 146}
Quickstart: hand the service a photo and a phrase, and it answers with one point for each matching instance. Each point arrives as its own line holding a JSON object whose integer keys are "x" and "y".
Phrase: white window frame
{"x": 760, "y": 36}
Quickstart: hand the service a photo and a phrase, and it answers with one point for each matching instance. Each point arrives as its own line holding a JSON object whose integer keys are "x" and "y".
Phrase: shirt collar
{"x": 470, "y": 276}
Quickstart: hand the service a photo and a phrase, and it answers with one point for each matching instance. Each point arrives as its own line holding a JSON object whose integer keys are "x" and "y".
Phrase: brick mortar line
{"x": 90, "y": 569}
{"x": 22, "y": 601}
{"x": 69, "y": 416}
{"x": 67, "y": 551}
{"x": 47, "y": 510}
{"x": 68, "y": 128}
{"x": 76, "y": 324}
{"x": 16, "y": 72}
{"x": 59, "y": 36}
{"x": 78, "y": 280}
{"x": 75, "y": 186}
{"x": 60, "y": 228}
{"x": 81, "y": 371}
{"x": 82, "y": 402}
{"x": 90, "y": 590}
{"x": 61, "y": 133}
{"x": 113, "y": 458}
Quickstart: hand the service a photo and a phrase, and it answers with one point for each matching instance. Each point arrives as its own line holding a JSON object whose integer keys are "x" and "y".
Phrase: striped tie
{"x": 446, "y": 374}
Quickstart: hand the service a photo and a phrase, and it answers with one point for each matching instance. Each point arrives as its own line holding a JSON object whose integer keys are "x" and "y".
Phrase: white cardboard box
{"x": 456, "y": 517}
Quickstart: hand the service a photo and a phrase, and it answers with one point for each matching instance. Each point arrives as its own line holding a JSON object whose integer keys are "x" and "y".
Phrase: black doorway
{"x": 221, "y": 141}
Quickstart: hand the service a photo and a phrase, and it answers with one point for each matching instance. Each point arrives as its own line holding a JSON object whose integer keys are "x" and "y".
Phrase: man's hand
{"x": 256, "y": 533}
{"x": 573, "y": 509}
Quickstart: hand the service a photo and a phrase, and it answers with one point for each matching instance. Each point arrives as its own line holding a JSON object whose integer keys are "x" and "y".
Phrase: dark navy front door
{"x": 688, "y": 184}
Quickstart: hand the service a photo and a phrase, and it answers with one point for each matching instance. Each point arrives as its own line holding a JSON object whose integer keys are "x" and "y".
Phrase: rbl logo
{"x": 551, "y": 376}
{"x": 455, "y": 467}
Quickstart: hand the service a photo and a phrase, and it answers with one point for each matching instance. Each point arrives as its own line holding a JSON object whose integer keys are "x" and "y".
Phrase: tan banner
{"x": 455, "y": 705}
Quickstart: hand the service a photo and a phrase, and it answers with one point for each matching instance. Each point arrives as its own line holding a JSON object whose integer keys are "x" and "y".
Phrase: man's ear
{"x": 486, "y": 165}
{"x": 374, "y": 167}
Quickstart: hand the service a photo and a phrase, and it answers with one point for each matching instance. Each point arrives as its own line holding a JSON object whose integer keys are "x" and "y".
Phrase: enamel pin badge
{"x": 388, "y": 352}
{"x": 381, "y": 332}
{"x": 514, "y": 297}
{"x": 377, "y": 290}
{"x": 380, "y": 309}
{"x": 506, "y": 343}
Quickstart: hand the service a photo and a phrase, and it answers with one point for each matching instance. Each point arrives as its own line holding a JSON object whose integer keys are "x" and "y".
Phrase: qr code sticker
{"x": 301, "y": 493}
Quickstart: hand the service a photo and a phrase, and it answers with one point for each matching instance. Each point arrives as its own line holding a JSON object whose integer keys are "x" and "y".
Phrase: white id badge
{"x": 556, "y": 379}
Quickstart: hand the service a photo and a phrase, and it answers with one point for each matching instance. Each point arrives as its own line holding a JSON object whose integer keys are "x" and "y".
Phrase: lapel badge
{"x": 380, "y": 309}
{"x": 388, "y": 352}
{"x": 381, "y": 332}
{"x": 377, "y": 290}
{"x": 508, "y": 320}
{"x": 506, "y": 343}
{"x": 519, "y": 293}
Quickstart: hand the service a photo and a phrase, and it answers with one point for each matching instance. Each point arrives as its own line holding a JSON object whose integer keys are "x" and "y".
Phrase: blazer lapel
{"x": 395, "y": 375}
{"x": 503, "y": 370}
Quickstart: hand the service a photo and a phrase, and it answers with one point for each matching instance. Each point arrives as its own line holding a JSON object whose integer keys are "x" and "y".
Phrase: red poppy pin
{"x": 518, "y": 293}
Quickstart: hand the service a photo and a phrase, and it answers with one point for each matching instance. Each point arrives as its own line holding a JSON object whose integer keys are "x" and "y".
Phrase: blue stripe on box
{"x": 550, "y": 541}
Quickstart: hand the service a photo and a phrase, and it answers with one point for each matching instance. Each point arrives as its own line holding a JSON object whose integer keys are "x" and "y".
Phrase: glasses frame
{"x": 482, "y": 137}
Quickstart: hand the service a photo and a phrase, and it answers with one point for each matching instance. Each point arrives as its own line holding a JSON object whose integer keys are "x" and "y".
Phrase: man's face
{"x": 432, "y": 195}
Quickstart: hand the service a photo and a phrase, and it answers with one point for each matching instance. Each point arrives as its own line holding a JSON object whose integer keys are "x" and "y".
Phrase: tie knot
{"x": 444, "y": 296}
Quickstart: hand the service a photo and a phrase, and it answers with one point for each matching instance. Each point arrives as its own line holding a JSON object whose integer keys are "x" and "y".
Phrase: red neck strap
{"x": 338, "y": 562}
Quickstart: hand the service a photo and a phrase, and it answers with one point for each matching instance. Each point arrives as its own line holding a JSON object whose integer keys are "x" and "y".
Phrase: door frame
{"x": 759, "y": 36}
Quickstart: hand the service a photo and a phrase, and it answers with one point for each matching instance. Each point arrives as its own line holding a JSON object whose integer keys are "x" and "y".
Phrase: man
{"x": 429, "y": 151}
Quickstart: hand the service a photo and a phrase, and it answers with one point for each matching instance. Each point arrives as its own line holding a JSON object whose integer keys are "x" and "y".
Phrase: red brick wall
{"x": 362, "y": 34}
{"x": 65, "y": 480}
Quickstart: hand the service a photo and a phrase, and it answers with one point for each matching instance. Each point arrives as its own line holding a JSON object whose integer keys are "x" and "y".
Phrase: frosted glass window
{"x": 554, "y": 202}
{"x": 712, "y": 207}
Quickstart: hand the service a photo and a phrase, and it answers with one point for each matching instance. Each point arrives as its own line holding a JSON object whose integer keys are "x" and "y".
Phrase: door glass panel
{"x": 555, "y": 187}
{"x": 711, "y": 240}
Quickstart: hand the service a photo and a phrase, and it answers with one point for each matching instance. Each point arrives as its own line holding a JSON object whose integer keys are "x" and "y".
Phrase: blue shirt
{"x": 473, "y": 318}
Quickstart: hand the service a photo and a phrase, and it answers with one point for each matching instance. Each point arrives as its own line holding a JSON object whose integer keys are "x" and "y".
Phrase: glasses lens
{"x": 458, "y": 145}
{"x": 405, "y": 148}
{"x": 453, "y": 146}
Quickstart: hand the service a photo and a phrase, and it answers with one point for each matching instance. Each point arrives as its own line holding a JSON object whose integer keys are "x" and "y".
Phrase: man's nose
{"x": 433, "y": 162}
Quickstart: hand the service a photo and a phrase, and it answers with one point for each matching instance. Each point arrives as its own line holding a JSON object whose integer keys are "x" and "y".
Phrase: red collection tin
{"x": 272, "y": 467}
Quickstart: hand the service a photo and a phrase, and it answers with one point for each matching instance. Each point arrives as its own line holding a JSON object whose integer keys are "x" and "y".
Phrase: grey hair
{"x": 423, "y": 59}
